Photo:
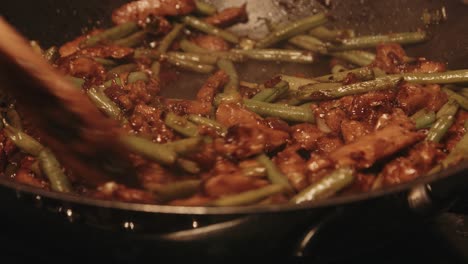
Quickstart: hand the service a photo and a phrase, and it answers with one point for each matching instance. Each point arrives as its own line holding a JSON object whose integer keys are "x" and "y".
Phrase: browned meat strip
{"x": 212, "y": 43}
{"x": 419, "y": 160}
{"x": 229, "y": 16}
{"x": 228, "y": 184}
{"x": 73, "y": 46}
{"x": 114, "y": 191}
{"x": 390, "y": 58}
{"x": 413, "y": 97}
{"x": 133, "y": 94}
{"x": 372, "y": 105}
{"x": 212, "y": 86}
{"x": 147, "y": 121}
{"x": 329, "y": 143}
{"x": 352, "y": 130}
{"x": 106, "y": 51}
{"x": 425, "y": 66}
{"x": 293, "y": 166}
{"x": 196, "y": 200}
{"x": 306, "y": 135}
{"x": 334, "y": 118}
{"x": 242, "y": 141}
{"x": 82, "y": 67}
{"x": 141, "y": 9}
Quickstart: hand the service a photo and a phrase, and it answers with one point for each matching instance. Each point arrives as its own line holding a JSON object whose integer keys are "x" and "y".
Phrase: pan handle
{"x": 441, "y": 194}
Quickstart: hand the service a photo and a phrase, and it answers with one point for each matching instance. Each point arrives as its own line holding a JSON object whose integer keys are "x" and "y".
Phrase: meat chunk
{"x": 120, "y": 192}
{"x": 413, "y": 97}
{"x": 420, "y": 159}
{"x": 306, "y": 135}
{"x": 351, "y": 130}
{"x": 133, "y": 94}
{"x": 365, "y": 151}
{"x": 329, "y": 143}
{"x": 73, "y": 46}
{"x": 242, "y": 141}
{"x": 147, "y": 121}
{"x": 293, "y": 166}
{"x": 212, "y": 86}
{"x": 229, "y": 184}
{"x": 106, "y": 51}
{"x": 390, "y": 57}
{"x": 229, "y": 16}
{"x": 196, "y": 200}
{"x": 82, "y": 67}
{"x": 424, "y": 66}
{"x": 141, "y": 9}
{"x": 212, "y": 43}
{"x": 372, "y": 105}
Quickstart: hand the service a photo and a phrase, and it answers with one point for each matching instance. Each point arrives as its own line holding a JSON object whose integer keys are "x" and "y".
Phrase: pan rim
{"x": 234, "y": 210}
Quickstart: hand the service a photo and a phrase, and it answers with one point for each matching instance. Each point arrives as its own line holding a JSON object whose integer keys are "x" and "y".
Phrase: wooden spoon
{"x": 82, "y": 138}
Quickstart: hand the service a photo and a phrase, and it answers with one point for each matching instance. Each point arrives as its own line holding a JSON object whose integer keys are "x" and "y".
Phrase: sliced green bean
{"x": 77, "y": 82}
{"x": 358, "y": 57}
{"x": 105, "y": 104}
{"x": 338, "y": 68}
{"x": 23, "y": 141}
{"x": 442, "y": 125}
{"x": 170, "y": 37}
{"x": 274, "y": 174}
{"x": 54, "y": 172}
{"x": 309, "y": 43}
{"x": 249, "y": 197}
{"x": 155, "y": 69}
{"x": 106, "y": 62}
{"x": 232, "y": 87}
{"x": 204, "y": 8}
{"x": 464, "y": 92}
{"x": 194, "y": 57}
{"x": 460, "y": 99}
{"x": 326, "y": 187}
{"x": 189, "y": 65}
{"x": 188, "y": 166}
{"x": 191, "y": 47}
{"x": 292, "y": 29}
{"x": 458, "y": 76}
{"x": 122, "y": 69}
{"x": 372, "y": 41}
{"x": 150, "y": 150}
{"x": 424, "y": 118}
{"x": 199, "y": 120}
{"x": 181, "y": 125}
{"x": 448, "y": 108}
{"x": 14, "y": 119}
{"x": 364, "y": 74}
{"x": 137, "y": 76}
{"x": 296, "y": 82}
{"x": 272, "y": 94}
{"x": 114, "y": 33}
{"x": 133, "y": 40}
{"x": 176, "y": 190}
{"x": 332, "y": 35}
{"x": 185, "y": 146}
{"x": 317, "y": 92}
{"x": 297, "y": 56}
{"x": 210, "y": 29}
{"x": 285, "y": 112}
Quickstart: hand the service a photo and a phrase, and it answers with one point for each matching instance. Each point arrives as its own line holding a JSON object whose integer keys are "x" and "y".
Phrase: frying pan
{"x": 140, "y": 228}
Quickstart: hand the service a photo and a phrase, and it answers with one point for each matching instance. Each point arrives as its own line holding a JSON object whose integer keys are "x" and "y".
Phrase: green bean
{"x": 52, "y": 169}
{"x": 317, "y": 92}
{"x": 181, "y": 125}
{"x": 292, "y": 29}
{"x": 205, "y": 8}
{"x": 358, "y": 57}
{"x": 176, "y": 190}
{"x": 106, "y": 62}
{"x": 274, "y": 174}
{"x": 122, "y": 69}
{"x": 199, "y": 120}
{"x": 372, "y": 41}
{"x": 459, "y": 152}
{"x": 105, "y": 104}
{"x": 364, "y": 74}
{"x": 36, "y": 47}
{"x": 296, "y": 82}
{"x": 191, "y": 47}
{"x": 442, "y": 125}
{"x": 170, "y": 37}
{"x": 150, "y": 150}
{"x": 247, "y": 44}
{"x": 309, "y": 43}
{"x": 285, "y": 112}
{"x": 338, "y": 68}
{"x": 36, "y": 167}
{"x": 114, "y": 33}
{"x": 155, "y": 69}
{"x": 424, "y": 118}
{"x": 249, "y": 197}
{"x": 378, "y": 182}
{"x": 232, "y": 87}
{"x": 109, "y": 83}
{"x": 449, "y": 108}
{"x": 188, "y": 166}
{"x": 14, "y": 119}
{"x": 227, "y": 98}
{"x": 133, "y": 40}
{"x": 210, "y": 29}
{"x": 51, "y": 54}
{"x": 137, "y": 76}
{"x": 194, "y": 57}
{"x": 326, "y": 187}
{"x": 77, "y": 82}
{"x": 190, "y": 66}
{"x": 460, "y": 99}
{"x": 185, "y": 146}
{"x": 464, "y": 92}
{"x": 251, "y": 85}
{"x": 23, "y": 141}
{"x": 458, "y": 76}
{"x": 334, "y": 35}
{"x": 297, "y": 56}
{"x": 272, "y": 94}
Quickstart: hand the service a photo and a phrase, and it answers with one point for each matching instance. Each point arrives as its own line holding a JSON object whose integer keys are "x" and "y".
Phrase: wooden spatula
{"x": 82, "y": 138}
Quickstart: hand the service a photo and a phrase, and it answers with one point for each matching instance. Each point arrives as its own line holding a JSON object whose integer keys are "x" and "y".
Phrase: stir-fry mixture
{"x": 380, "y": 118}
